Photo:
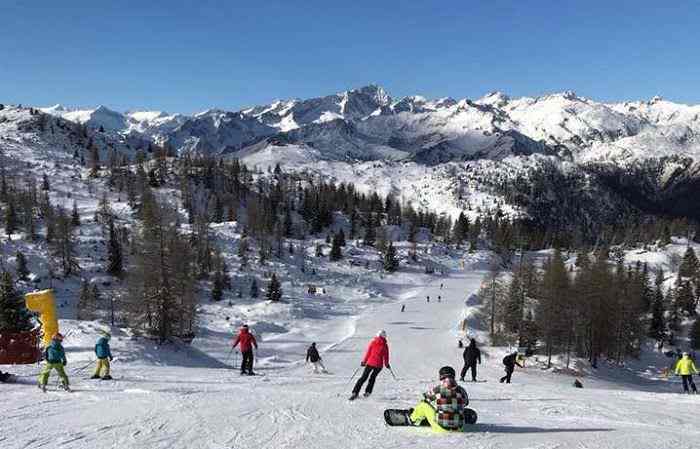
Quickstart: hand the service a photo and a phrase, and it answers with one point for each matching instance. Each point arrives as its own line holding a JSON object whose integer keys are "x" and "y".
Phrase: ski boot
{"x": 42, "y": 387}
{"x": 366, "y": 395}
{"x": 66, "y": 387}
{"x": 107, "y": 377}
{"x": 95, "y": 376}
{"x": 352, "y": 397}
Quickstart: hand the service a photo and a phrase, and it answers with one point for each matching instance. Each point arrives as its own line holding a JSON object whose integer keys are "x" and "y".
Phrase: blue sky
{"x": 186, "y": 56}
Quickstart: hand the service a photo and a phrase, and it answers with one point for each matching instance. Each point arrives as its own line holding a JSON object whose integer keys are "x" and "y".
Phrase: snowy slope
{"x": 165, "y": 399}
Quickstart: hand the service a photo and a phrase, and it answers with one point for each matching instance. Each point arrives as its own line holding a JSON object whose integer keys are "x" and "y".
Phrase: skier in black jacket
{"x": 471, "y": 355}
{"x": 509, "y": 362}
{"x": 315, "y": 359}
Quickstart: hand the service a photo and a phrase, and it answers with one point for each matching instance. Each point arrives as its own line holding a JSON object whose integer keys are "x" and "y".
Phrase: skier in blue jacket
{"x": 104, "y": 356}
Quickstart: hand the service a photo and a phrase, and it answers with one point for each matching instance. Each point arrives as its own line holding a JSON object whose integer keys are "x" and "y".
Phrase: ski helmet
{"x": 447, "y": 371}
{"x": 57, "y": 336}
{"x": 381, "y": 333}
{"x": 106, "y": 335}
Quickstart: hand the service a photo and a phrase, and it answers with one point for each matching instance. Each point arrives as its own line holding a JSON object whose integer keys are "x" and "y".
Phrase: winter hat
{"x": 381, "y": 333}
{"x": 685, "y": 354}
{"x": 57, "y": 336}
{"x": 447, "y": 371}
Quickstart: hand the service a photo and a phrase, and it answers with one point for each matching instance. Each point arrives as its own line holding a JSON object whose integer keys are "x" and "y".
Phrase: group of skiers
{"x": 55, "y": 359}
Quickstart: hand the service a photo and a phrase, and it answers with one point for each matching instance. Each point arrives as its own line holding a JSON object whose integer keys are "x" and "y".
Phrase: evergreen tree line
{"x": 598, "y": 308}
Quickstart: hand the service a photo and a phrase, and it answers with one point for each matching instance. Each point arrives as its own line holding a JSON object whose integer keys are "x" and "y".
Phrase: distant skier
{"x": 55, "y": 357}
{"x": 440, "y": 286}
{"x": 104, "y": 356}
{"x": 471, "y": 355}
{"x": 685, "y": 368}
{"x": 247, "y": 342}
{"x": 427, "y": 298}
{"x": 313, "y": 356}
{"x": 509, "y": 362}
{"x": 450, "y": 402}
{"x": 439, "y": 298}
{"x": 376, "y": 356}
{"x": 403, "y": 308}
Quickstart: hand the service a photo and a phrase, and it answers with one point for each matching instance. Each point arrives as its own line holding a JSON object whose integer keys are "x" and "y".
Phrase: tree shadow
{"x": 497, "y": 428}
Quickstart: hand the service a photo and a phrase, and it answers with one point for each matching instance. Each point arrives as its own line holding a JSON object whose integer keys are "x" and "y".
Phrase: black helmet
{"x": 447, "y": 371}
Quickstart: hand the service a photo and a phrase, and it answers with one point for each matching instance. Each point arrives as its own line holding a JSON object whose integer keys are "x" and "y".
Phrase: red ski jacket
{"x": 377, "y": 353}
{"x": 246, "y": 340}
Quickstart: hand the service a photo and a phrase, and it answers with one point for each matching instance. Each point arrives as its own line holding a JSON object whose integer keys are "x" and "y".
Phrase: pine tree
{"x": 370, "y": 235}
{"x": 254, "y": 291}
{"x": 341, "y": 238}
{"x": 10, "y": 218}
{"x": 22, "y": 270}
{"x": 45, "y": 186}
{"x": 86, "y": 304}
{"x": 274, "y": 289}
{"x": 685, "y": 297}
{"x": 14, "y": 316}
{"x": 391, "y": 261}
{"x": 115, "y": 264}
{"x": 689, "y": 266}
{"x": 554, "y": 314}
{"x": 336, "y": 250}
{"x": 694, "y": 335}
{"x": 75, "y": 216}
{"x": 657, "y": 326}
{"x": 217, "y": 291}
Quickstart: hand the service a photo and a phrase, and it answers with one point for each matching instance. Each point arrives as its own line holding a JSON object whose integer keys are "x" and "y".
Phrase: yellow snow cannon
{"x": 44, "y": 304}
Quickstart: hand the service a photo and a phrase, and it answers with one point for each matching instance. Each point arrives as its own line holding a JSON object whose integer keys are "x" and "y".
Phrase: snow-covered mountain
{"x": 367, "y": 124}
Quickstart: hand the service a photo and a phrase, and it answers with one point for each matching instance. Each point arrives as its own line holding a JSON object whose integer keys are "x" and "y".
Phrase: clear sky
{"x": 186, "y": 56}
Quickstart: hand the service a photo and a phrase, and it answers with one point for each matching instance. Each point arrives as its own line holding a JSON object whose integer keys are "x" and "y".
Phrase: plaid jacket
{"x": 450, "y": 400}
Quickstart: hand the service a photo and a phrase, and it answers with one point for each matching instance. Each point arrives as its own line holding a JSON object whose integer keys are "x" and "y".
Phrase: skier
{"x": 450, "y": 401}
{"x": 509, "y": 362}
{"x": 427, "y": 298}
{"x": 685, "y": 368}
{"x": 104, "y": 356}
{"x": 471, "y": 355}
{"x": 439, "y": 298}
{"x": 55, "y": 359}
{"x": 403, "y": 308}
{"x": 440, "y": 286}
{"x": 315, "y": 359}
{"x": 247, "y": 342}
{"x": 377, "y": 354}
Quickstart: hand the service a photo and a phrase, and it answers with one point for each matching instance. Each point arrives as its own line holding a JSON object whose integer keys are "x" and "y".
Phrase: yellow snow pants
{"x": 426, "y": 412}
{"x": 102, "y": 366}
{"x": 46, "y": 371}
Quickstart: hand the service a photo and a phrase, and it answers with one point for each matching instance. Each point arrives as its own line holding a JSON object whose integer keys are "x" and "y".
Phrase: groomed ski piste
{"x": 162, "y": 398}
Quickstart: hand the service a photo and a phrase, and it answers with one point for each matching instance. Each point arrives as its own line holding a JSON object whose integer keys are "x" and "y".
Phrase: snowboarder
{"x": 685, "y": 368}
{"x": 55, "y": 359}
{"x": 104, "y": 356}
{"x": 471, "y": 356}
{"x": 376, "y": 356}
{"x": 5, "y": 377}
{"x": 315, "y": 359}
{"x": 403, "y": 308}
{"x": 450, "y": 402}
{"x": 509, "y": 362}
{"x": 247, "y": 342}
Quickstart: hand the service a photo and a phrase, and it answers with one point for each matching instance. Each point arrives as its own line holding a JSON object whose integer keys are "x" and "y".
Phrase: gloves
{"x": 388, "y": 367}
{"x": 65, "y": 362}
{"x": 362, "y": 364}
{"x": 111, "y": 358}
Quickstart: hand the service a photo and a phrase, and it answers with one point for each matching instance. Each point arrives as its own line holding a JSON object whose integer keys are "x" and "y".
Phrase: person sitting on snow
{"x": 55, "y": 359}
{"x": 104, "y": 356}
{"x": 313, "y": 356}
{"x": 450, "y": 401}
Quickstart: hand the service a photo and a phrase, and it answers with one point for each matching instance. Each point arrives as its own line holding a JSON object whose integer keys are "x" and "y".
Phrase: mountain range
{"x": 367, "y": 124}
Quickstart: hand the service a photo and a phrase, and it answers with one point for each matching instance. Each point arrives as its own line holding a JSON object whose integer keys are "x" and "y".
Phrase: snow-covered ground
{"x": 187, "y": 398}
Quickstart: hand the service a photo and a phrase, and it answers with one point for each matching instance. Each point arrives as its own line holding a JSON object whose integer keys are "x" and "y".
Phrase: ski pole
{"x": 393, "y": 375}
{"x": 228, "y": 356}
{"x": 81, "y": 369}
{"x": 353, "y": 376}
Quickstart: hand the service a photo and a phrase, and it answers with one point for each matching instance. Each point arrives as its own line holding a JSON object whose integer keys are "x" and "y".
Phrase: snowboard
{"x": 401, "y": 417}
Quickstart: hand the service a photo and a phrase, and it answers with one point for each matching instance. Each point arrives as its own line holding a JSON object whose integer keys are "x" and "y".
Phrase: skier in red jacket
{"x": 376, "y": 356}
{"x": 247, "y": 343}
